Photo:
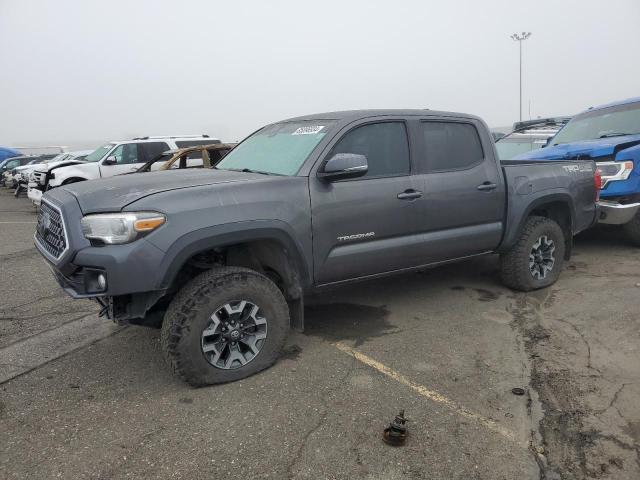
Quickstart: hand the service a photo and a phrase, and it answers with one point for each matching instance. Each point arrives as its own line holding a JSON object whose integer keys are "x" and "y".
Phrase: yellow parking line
{"x": 425, "y": 392}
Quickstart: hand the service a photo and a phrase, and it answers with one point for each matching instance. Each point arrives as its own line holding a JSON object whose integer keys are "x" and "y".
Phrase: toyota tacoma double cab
{"x": 227, "y": 255}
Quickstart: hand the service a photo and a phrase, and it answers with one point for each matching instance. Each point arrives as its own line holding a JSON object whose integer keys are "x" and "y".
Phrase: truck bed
{"x": 527, "y": 181}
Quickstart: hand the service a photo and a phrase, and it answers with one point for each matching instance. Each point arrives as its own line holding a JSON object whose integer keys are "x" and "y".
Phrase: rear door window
{"x": 153, "y": 149}
{"x": 449, "y": 146}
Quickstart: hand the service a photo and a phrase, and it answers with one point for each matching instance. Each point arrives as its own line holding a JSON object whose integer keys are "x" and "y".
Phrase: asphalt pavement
{"x": 83, "y": 398}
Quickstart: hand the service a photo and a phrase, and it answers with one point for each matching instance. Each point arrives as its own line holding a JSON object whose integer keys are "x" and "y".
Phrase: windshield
{"x": 509, "y": 148}
{"x": 280, "y": 148}
{"x": 99, "y": 153}
{"x": 602, "y": 123}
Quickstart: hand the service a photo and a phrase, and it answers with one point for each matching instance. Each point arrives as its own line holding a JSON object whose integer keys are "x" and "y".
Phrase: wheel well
{"x": 73, "y": 180}
{"x": 560, "y": 213}
{"x": 269, "y": 257}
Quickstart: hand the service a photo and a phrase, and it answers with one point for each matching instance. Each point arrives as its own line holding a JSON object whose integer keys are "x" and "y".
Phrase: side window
{"x": 153, "y": 149}
{"x": 126, "y": 153}
{"x": 384, "y": 144}
{"x": 12, "y": 164}
{"x": 450, "y": 146}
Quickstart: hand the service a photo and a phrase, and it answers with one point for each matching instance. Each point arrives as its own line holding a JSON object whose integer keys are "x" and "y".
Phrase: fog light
{"x": 95, "y": 280}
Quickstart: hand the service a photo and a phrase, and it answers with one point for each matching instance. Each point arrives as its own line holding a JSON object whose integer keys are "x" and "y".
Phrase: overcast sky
{"x": 82, "y": 72}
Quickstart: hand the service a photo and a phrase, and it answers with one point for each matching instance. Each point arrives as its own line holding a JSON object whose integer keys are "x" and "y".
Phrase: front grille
{"x": 50, "y": 230}
{"x": 38, "y": 177}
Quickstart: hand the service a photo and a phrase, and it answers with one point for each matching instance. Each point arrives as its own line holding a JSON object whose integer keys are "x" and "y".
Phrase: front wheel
{"x": 536, "y": 260}
{"x": 632, "y": 229}
{"x": 224, "y": 325}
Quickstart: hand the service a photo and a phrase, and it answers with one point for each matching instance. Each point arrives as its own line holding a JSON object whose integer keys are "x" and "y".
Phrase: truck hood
{"x": 60, "y": 163}
{"x": 113, "y": 194}
{"x": 603, "y": 147}
{"x": 33, "y": 166}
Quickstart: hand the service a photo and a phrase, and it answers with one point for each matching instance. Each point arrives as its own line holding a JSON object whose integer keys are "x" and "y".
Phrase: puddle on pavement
{"x": 486, "y": 295}
{"x": 290, "y": 352}
{"x": 347, "y": 321}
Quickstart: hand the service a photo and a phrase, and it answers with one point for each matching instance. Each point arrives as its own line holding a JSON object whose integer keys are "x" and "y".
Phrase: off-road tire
{"x": 514, "y": 263}
{"x": 632, "y": 229}
{"x": 190, "y": 312}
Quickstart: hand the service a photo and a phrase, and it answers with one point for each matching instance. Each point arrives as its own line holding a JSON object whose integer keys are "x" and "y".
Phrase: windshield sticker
{"x": 308, "y": 130}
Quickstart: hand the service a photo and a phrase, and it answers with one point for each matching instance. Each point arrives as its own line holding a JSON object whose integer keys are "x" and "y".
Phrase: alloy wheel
{"x": 235, "y": 335}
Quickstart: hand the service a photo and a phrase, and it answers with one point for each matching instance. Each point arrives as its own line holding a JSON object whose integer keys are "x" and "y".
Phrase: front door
{"x": 365, "y": 226}
{"x": 128, "y": 157}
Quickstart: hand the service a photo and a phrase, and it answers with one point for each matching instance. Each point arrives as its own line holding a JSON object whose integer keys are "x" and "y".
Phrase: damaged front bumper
{"x": 34, "y": 194}
{"x": 614, "y": 213}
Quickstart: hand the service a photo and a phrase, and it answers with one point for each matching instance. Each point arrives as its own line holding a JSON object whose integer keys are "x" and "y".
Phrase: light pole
{"x": 520, "y": 38}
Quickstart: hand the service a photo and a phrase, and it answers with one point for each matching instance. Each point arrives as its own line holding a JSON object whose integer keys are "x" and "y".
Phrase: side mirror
{"x": 110, "y": 161}
{"x": 344, "y": 165}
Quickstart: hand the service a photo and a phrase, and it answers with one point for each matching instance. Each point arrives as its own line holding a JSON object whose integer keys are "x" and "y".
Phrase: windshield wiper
{"x": 614, "y": 134}
{"x": 249, "y": 170}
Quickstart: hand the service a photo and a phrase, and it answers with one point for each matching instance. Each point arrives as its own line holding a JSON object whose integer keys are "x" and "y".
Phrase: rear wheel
{"x": 536, "y": 260}
{"x": 632, "y": 229}
{"x": 226, "y": 324}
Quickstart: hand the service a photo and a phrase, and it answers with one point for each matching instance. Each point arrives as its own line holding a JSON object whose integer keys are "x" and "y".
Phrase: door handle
{"x": 487, "y": 186}
{"x": 410, "y": 194}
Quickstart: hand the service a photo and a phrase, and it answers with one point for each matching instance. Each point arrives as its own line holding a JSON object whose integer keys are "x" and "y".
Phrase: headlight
{"x": 113, "y": 228}
{"x": 614, "y": 171}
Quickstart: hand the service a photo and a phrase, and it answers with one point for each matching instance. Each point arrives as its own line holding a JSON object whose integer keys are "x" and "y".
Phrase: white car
{"x": 13, "y": 176}
{"x": 113, "y": 158}
{"x": 30, "y": 178}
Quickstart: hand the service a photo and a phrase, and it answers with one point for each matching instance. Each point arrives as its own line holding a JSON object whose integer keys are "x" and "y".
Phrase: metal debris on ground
{"x": 396, "y": 433}
{"x": 517, "y": 391}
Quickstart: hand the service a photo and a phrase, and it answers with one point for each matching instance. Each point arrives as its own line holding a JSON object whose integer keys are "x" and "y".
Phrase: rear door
{"x": 152, "y": 150}
{"x": 464, "y": 197}
{"x": 366, "y": 226}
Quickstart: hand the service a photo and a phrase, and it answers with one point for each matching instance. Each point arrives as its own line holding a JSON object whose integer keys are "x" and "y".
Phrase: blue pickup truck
{"x": 610, "y": 136}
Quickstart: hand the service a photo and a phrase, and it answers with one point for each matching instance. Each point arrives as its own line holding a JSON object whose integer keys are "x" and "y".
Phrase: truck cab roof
{"x": 626, "y": 101}
{"x": 349, "y": 115}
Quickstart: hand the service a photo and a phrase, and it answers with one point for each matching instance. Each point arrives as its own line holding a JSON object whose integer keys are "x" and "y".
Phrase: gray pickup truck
{"x": 227, "y": 255}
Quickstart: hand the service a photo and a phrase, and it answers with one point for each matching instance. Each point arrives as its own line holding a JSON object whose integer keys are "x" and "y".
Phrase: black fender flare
{"x": 232, "y": 233}
{"x": 512, "y": 234}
